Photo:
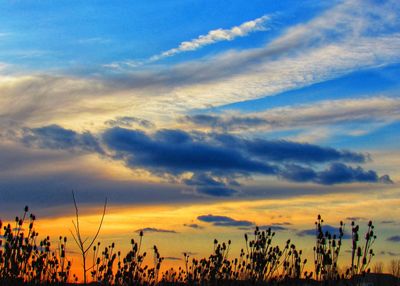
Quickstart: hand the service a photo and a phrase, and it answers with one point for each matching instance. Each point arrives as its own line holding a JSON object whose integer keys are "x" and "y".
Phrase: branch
{"x": 98, "y": 230}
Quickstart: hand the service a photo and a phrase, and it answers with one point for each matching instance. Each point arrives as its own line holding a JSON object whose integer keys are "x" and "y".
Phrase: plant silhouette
{"x": 26, "y": 260}
{"x": 85, "y": 245}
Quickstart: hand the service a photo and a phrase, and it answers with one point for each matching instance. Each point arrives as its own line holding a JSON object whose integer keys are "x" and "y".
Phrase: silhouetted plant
{"x": 261, "y": 262}
{"x": 23, "y": 260}
{"x": 265, "y": 262}
{"x": 361, "y": 254}
{"x": 81, "y": 243}
{"x": 326, "y": 252}
{"x": 215, "y": 268}
{"x": 131, "y": 270}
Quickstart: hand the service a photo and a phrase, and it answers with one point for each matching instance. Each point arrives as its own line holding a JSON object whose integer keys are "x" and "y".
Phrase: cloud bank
{"x": 211, "y": 163}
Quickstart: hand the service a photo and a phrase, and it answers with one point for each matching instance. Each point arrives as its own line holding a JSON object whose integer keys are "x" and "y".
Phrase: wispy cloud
{"x": 218, "y": 220}
{"x": 153, "y": 229}
{"x": 300, "y": 56}
{"x": 215, "y": 36}
{"x": 3, "y": 66}
{"x": 193, "y": 225}
{"x": 129, "y": 121}
{"x": 395, "y": 238}
{"x": 379, "y": 109}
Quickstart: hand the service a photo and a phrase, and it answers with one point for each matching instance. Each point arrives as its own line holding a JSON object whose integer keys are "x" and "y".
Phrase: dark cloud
{"x": 129, "y": 121}
{"x": 57, "y": 137}
{"x": 175, "y": 151}
{"x": 395, "y": 238}
{"x": 203, "y": 179}
{"x": 266, "y": 227}
{"x": 336, "y": 173}
{"x": 325, "y": 228}
{"x": 13, "y": 158}
{"x": 171, "y": 258}
{"x": 273, "y": 227}
{"x": 288, "y": 151}
{"x": 390, "y": 253}
{"x": 50, "y": 194}
{"x": 340, "y": 173}
{"x": 388, "y": 222}
{"x": 355, "y": 218}
{"x": 207, "y": 184}
{"x": 385, "y": 179}
{"x": 215, "y": 160}
{"x": 297, "y": 173}
{"x": 231, "y": 123}
{"x": 224, "y": 221}
{"x": 282, "y": 223}
{"x": 216, "y": 191}
{"x": 152, "y": 229}
{"x": 193, "y": 225}
{"x": 189, "y": 253}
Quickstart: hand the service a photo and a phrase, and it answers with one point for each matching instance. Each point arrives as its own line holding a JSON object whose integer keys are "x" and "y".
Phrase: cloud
{"x": 282, "y": 223}
{"x": 395, "y": 238}
{"x": 288, "y": 151}
{"x": 216, "y": 159}
{"x": 176, "y": 151}
{"x": 351, "y": 36}
{"x": 159, "y": 230}
{"x": 216, "y": 191}
{"x": 182, "y": 151}
{"x": 340, "y": 173}
{"x": 57, "y": 137}
{"x": 355, "y": 218}
{"x": 216, "y": 36}
{"x": 14, "y": 158}
{"x": 335, "y": 173}
{"x": 325, "y": 228}
{"x": 273, "y": 227}
{"x": 128, "y": 121}
{"x": 49, "y": 193}
{"x": 224, "y": 221}
{"x": 227, "y": 124}
{"x": 390, "y": 253}
{"x": 322, "y": 113}
{"x": 45, "y": 98}
{"x": 172, "y": 258}
{"x": 193, "y": 225}
{"x": 388, "y": 222}
{"x": 210, "y": 163}
{"x": 210, "y": 184}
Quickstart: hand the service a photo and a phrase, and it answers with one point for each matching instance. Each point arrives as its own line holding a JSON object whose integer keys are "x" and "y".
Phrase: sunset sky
{"x": 201, "y": 119}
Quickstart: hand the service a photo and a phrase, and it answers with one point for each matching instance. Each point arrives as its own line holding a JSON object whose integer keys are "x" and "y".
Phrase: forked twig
{"x": 78, "y": 238}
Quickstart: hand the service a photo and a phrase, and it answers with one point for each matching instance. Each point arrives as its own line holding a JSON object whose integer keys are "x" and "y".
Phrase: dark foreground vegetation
{"x": 26, "y": 259}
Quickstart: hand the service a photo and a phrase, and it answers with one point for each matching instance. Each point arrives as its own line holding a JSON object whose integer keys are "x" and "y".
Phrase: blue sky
{"x": 197, "y": 102}
{"x": 85, "y": 35}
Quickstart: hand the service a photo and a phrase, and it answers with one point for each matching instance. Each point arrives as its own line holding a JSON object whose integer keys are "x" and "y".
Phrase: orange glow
{"x": 122, "y": 222}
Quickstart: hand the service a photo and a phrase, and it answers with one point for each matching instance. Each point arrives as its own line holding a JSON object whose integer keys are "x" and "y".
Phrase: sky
{"x": 199, "y": 119}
